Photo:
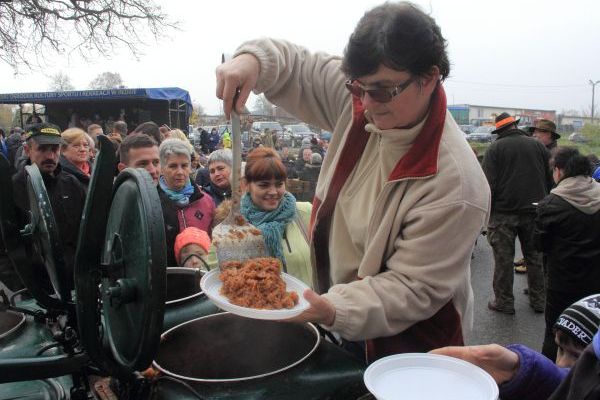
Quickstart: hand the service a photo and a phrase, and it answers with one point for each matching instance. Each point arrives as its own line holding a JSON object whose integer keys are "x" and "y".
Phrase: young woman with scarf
{"x": 184, "y": 204}
{"x": 400, "y": 198}
{"x": 268, "y": 206}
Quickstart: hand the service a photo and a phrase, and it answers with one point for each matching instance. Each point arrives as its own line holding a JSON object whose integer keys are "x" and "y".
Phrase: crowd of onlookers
{"x": 191, "y": 184}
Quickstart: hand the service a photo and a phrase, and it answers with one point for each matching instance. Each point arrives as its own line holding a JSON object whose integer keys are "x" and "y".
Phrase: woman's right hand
{"x": 235, "y": 80}
{"x": 502, "y": 364}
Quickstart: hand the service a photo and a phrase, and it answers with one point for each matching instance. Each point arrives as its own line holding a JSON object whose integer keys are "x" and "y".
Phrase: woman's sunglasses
{"x": 380, "y": 95}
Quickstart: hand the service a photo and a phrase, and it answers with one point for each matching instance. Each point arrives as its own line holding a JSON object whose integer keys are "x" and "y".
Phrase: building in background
{"x": 478, "y": 115}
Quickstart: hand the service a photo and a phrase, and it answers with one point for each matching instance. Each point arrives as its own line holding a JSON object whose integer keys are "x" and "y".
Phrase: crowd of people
{"x": 395, "y": 203}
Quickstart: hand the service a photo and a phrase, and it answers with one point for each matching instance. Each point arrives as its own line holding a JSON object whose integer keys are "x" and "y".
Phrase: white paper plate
{"x": 211, "y": 286}
{"x": 413, "y": 376}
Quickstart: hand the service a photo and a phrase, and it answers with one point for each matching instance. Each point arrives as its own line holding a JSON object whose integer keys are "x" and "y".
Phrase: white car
{"x": 577, "y": 137}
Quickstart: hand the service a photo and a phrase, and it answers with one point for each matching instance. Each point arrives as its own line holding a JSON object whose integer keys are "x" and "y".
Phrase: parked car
{"x": 260, "y": 126}
{"x": 481, "y": 134}
{"x": 467, "y": 128}
{"x": 299, "y": 132}
{"x": 577, "y": 137}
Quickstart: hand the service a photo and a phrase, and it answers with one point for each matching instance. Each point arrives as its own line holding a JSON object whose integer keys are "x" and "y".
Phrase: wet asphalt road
{"x": 525, "y": 327}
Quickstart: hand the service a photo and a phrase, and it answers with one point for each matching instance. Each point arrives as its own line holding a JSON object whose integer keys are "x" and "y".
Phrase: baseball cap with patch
{"x": 581, "y": 319}
{"x": 44, "y": 133}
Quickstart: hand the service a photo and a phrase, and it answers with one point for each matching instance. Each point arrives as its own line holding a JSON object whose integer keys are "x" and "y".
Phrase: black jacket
{"x": 69, "y": 167}
{"x": 517, "y": 170}
{"x": 67, "y": 197}
{"x": 217, "y": 194}
{"x": 310, "y": 173}
{"x": 570, "y": 239}
{"x": 204, "y": 141}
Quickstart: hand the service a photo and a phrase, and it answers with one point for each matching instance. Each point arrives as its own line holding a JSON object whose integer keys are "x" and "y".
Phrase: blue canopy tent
{"x": 171, "y": 106}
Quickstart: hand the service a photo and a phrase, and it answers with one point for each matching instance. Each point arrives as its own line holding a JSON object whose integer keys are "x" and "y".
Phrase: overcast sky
{"x": 531, "y": 54}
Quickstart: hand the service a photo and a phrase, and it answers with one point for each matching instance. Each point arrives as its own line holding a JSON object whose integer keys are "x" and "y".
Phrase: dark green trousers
{"x": 503, "y": 229}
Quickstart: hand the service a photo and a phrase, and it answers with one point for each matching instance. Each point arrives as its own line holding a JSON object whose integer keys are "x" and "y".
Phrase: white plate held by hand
{"x": 211, "y": 286}
{"x": 417, "y": 376}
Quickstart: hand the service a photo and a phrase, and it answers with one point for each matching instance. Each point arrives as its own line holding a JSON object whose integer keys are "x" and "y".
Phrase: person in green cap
{"x": 67, "y": 195}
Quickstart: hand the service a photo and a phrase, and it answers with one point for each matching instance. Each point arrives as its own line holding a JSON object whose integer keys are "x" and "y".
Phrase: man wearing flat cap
{"x": 516, "y": 167}
{"x": 545, "y": 131}
{"x": 67, "y": 195}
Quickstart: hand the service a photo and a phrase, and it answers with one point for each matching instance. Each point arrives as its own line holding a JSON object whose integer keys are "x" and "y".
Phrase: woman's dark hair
{"x": 571, "y": 162}
{"x": 263, "y": 164}
{"x": 401, "y": 37}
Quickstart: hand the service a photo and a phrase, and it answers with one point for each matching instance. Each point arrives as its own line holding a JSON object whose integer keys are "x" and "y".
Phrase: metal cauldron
{"x": 183, "y": 284}
{"x": 21, "y": 336}
{"x": 185, "y": 300}
{"x": 10, "y": 324}
{"x": 224, "y": 356}
{"x": 228, "y": 348}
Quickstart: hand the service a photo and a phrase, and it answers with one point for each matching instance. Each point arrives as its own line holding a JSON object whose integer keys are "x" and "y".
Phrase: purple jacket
{"x": 536, "y": 379}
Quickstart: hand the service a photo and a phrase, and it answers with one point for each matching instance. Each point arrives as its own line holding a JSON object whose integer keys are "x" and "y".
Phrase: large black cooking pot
{"x": 226, "y": 356}
{"x": 185, "y": 300}
{"x": 10, "y": 323}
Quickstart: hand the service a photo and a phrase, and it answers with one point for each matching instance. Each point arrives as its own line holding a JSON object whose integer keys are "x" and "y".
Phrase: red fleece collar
{"x": 419, "y": 162}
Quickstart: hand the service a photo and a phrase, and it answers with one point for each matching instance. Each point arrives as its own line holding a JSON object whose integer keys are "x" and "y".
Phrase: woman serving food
{"x": 400, "y": 198}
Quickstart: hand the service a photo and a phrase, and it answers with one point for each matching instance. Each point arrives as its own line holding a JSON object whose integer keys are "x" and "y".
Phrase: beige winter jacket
{"x": 424, "y": 222}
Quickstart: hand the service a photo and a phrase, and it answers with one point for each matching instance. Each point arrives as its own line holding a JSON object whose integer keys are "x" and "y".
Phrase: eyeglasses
{"x": 380, "y": 95}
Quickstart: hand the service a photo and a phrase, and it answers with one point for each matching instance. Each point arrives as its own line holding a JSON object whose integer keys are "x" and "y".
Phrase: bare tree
{"x": 107, "y": 80}
{"x": 60, "y": 81}
{"x": 197, "y": 114}
{"x": 262, "y": 106}
{"x": 198, "y": 108}
{"x": 33, "y": 30}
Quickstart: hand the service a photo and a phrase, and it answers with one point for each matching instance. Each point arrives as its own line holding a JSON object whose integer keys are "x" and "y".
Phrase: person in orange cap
{"x": 191, "y": 246}
{"x": 516, "y": 167}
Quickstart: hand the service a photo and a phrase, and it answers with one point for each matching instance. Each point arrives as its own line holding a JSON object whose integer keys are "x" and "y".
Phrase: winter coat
{"x": 516, "y": 167}
{"x": 67, "y": 197}
{"x": 567, "y": 230}
{"x": 13, "y": 142}
{"x": 436, "y": 197}
{"x": 71, "y": 168}
{"x": 310, "y": 173}
{"x": 217, "y": 194}
{"x": 198, "y": 213}
{"x": 204, "y": 142}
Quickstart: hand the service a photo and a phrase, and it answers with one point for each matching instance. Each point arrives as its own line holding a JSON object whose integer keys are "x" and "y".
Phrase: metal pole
{"x": 593, "y": 92}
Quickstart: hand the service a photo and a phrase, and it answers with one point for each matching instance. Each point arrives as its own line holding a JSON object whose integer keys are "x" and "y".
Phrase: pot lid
{"x": 44, "y": 233}
{"x": 38, "y": 240}
{"x": 120, "y": 270}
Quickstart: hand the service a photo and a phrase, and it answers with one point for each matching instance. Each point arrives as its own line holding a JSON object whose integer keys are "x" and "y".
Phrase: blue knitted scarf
{"x": 271, "y": 223}
{"x": 181, "y": 197}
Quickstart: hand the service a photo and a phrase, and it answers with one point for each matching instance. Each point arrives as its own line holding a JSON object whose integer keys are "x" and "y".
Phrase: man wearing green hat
{"x": 67, "y": 196}
{"x": 545, "y": 132}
